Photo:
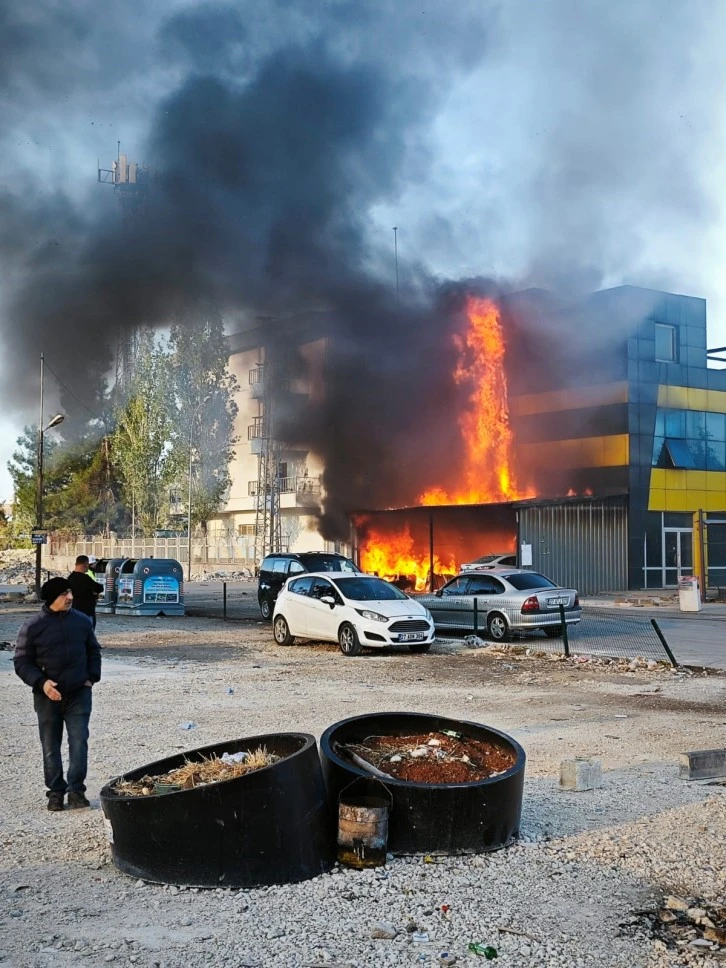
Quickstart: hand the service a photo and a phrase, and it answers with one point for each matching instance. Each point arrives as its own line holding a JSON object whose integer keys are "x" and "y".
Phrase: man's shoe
{"x": 55, "y": 802}
{"x": 76, "y": 801}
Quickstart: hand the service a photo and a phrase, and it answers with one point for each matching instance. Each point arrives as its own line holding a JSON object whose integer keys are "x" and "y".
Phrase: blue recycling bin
{"x": 106, "y": 603}
{"x": 150, "y": 586}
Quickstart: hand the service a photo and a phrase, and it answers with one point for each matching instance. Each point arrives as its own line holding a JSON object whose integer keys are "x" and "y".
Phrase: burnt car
{"x": 503, "y": 600}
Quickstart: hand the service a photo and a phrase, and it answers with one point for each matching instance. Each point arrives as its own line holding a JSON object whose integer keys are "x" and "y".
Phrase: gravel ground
{"x": 565, "y": 893}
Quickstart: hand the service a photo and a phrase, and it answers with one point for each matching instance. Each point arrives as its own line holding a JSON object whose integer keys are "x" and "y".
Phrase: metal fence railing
{"x": 600, "y": 631}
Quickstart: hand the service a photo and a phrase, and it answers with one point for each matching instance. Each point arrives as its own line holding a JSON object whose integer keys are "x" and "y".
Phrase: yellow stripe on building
{"x": 680, "y": 490}
{"x": 609, "y": 451}
{"x": 575, "y": 398}
{"x": 689, "y": 398}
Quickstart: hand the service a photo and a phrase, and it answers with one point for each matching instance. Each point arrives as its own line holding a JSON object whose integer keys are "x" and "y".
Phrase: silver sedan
{"x": 502, "y": 601}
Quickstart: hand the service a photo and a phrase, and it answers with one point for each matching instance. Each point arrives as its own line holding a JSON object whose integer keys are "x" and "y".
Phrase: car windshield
{"x": 523, "y": 581}
{"x": 368, "y": 589}
{"x": 329, "y": 563}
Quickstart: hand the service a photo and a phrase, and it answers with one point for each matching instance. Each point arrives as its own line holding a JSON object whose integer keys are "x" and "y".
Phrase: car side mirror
{"x": 439, "y": 592}
{"x": 329, "y": 600}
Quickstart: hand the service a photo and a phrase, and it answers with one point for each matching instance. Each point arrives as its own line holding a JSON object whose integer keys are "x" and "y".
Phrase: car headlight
{"x": 429, "y": 616}
{"x": 371, "y": 616}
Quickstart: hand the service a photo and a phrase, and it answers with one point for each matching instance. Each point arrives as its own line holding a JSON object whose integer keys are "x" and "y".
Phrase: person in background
{"x": 85, "y": 589}
{"x": 92, "y": 567}
{"x": 58, "y": 656}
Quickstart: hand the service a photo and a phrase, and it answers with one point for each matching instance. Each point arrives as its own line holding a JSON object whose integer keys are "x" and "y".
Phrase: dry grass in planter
{"x": 195, "y": 773}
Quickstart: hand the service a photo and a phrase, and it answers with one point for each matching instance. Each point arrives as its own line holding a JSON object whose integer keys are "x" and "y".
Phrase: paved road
{"x": 696, "y": 638}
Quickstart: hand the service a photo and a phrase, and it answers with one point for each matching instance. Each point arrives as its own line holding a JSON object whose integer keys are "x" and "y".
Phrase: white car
{"x": 352, "y": 610}
{"x": 486, "y": 562}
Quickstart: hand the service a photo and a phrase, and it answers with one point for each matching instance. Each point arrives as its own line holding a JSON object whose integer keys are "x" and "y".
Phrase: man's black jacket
{"x": 85, "y": 592}
{"x": 60, "y": 646}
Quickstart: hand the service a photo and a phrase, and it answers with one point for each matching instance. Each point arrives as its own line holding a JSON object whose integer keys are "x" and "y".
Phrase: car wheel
{"x": 266, "y": 609}
{"x": 348, "y": 640}
{"x": 419, "y": 646}
{"x": 497, "y": 627}
{"x": 553, "y": 631}
{"x": 281, "y": 631}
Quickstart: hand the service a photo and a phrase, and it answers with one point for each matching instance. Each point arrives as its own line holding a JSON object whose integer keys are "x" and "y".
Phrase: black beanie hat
{"x": 53, "y": 588}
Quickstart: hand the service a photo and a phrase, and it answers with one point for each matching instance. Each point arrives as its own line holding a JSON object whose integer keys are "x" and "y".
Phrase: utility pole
{"x": 395, "y": 252}
{"x": 39, "y": 538}
{"x": 39, "y": 482}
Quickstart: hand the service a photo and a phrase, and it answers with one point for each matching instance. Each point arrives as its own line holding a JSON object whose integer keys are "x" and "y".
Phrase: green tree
{"x": 204, "y": 391}
{"x": 143, "y": 444}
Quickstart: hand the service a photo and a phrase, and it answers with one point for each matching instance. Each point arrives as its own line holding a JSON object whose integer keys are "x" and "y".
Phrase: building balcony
{"x": 305, "y": 490}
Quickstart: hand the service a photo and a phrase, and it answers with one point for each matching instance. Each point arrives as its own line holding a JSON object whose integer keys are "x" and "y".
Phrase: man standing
{"x": 58, "y": 656}
{"x": 85, "y": 589}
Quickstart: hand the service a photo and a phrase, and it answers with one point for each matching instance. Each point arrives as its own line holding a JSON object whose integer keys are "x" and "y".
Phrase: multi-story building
{"x": 619, "y": 426}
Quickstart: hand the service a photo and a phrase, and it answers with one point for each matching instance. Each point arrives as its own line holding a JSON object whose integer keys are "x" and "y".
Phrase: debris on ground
{"x": 486, "y": 950}
{"x": 196, "y": 773}
{"x": 440, "y": 757}
{"x": 684, "y": 923}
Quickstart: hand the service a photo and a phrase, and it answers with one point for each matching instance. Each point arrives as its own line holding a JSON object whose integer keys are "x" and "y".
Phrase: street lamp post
{"x": 195, "y": 414}
{"x": 189, "y": 503}
{"x": 58, "y": 419}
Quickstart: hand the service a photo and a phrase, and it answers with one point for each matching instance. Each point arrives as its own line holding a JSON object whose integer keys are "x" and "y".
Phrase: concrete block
{"x": 580, "y": 775}
{"x": 702, "y": 764}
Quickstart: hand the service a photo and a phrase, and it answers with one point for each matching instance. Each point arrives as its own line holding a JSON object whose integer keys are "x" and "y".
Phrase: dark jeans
{"x": 73, "y": 711}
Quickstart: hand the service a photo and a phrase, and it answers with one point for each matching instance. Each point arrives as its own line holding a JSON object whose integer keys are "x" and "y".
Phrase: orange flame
{"x": 487, "y": 473}
{"x": 393, "y": 555}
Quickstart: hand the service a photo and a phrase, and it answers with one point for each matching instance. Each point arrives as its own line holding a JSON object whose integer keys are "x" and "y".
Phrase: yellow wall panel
{"x": 696, "y": 480}
{"x": 610, "y": 451}
{"x": 677, "y": 501}
{"x": 716, "y": 481}
{"x": 697, "y": 399}
{"x": 656, "y": 499}
{"x": 690, "y": 398}
{"x": 716, "y": 401}
{"x": 598, "y": 395}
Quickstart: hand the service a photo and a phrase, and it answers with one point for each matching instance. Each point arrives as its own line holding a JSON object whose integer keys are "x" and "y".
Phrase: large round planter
{"x": 270, "y": 826}
{"x": 453, "y": 818}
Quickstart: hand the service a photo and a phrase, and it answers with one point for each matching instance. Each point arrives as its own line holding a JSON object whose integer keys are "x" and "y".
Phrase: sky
{"x": 568, "y": 144}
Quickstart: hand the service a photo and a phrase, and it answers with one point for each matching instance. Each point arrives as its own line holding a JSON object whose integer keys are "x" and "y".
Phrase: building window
{"x": 665, "y": 343}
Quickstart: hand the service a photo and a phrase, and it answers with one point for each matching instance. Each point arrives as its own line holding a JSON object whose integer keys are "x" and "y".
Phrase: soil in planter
{"x": 431, "y": 757}
{"x": 195, "y": 773}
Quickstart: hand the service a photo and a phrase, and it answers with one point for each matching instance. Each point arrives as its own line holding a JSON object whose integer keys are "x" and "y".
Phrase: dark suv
{"x": 277, "y": 568}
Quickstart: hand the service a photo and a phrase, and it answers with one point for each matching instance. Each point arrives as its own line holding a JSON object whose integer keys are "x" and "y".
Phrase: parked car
{"x": 354, "y": 610}
{"x": 507, "y": 600}
{"x": 491, "y": 561}
{"x": 277, "y": 568}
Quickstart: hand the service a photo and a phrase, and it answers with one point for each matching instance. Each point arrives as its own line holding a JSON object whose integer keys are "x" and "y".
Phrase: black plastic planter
{"x": 454, "y": 818}
{"x": 270, "y": 826}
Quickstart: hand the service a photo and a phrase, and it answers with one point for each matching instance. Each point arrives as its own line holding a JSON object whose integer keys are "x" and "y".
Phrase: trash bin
{"x": 689, "y": 595}
{"x": 150, "y": 586}
{"x": 106, "y": 604}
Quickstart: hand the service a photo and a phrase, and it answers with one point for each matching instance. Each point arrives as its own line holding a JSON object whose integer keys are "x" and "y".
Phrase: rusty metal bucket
{"x": 363, "y": 810}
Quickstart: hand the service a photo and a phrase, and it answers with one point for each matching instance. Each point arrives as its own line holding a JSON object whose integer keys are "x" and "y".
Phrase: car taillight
{"x": 577, "y": 601}
{"x": 531, "y": 604}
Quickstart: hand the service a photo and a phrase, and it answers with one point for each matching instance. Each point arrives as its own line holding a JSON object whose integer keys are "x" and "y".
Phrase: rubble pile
{"x": 17, "y": 567}
{"x": 680, "y": 923}
{"x": 621, "y": 664}
{"x": 441, "y": 757}
{"x": 243, "y": 574}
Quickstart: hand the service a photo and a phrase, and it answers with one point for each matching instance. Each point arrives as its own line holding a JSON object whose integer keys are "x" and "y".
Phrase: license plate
{"x": 558, "y": 601}
{"x": 411, "y": 637}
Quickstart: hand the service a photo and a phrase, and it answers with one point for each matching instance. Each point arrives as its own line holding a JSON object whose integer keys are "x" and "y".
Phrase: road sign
{"x": 39, "y": 537}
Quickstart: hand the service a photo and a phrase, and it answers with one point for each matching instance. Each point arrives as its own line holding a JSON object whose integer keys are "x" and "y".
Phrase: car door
{"x": 484, "y": 589}
{"x": 295, "y": 610}
{"x": 322, "y": 620}
{"x": 446, "y": 608}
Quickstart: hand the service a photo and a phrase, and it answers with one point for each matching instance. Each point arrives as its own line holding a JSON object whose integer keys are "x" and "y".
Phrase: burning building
{"x": 591, "y": 434}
